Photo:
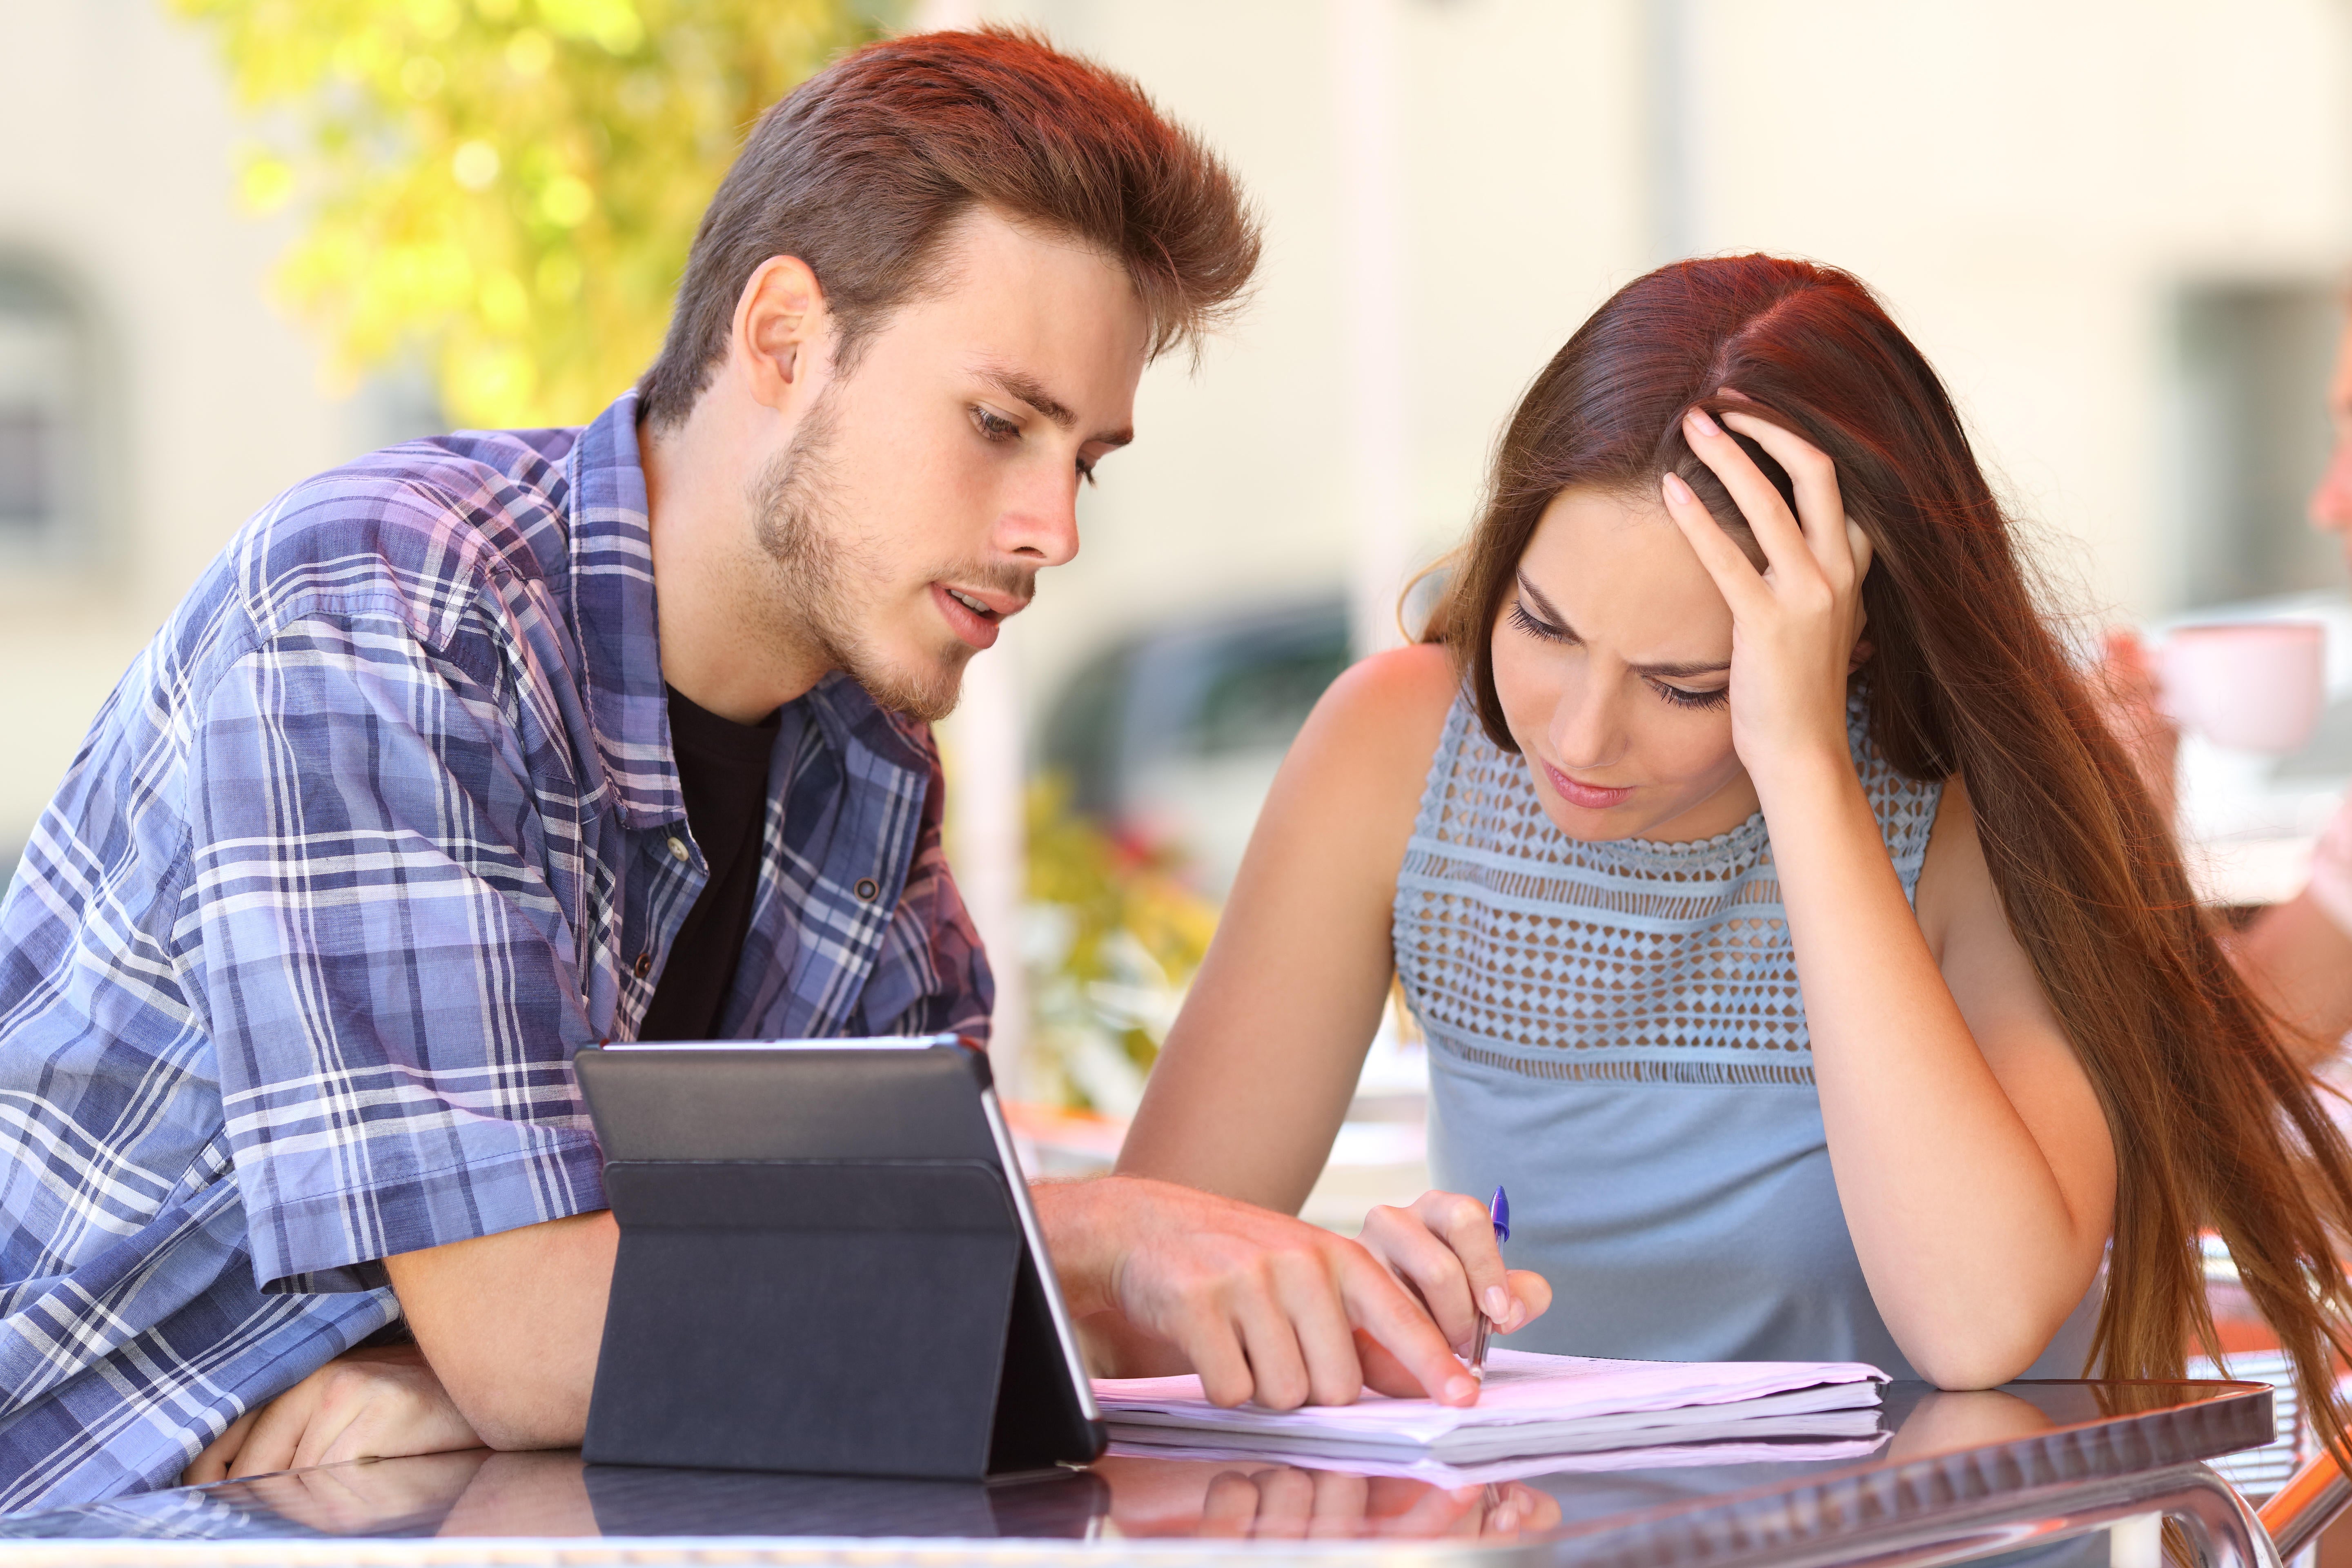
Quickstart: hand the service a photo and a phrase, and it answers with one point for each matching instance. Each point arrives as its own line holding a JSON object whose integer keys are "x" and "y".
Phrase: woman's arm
{"x": 1258, "y": 1070}
{"x": 1971, "y": 1159}
{"x": 1259, "y": 1067}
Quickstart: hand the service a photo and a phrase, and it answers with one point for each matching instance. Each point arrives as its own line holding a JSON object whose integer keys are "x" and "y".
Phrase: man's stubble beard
{"x": 824, "y": 581}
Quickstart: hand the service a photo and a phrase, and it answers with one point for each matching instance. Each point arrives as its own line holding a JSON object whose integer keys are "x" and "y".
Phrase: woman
{"x": 1791, "y": 939}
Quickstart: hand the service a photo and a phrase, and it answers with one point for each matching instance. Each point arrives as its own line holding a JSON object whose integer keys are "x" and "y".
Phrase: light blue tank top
{"x": 1616, "y": 1035}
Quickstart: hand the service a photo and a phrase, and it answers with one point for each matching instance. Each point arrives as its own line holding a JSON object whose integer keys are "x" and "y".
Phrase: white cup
{"x": 2250, "y": 686}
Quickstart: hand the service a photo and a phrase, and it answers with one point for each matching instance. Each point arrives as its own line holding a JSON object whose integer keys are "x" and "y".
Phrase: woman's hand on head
{"x": 1796, "y": 624}
{"x": 1442, "y": 1246}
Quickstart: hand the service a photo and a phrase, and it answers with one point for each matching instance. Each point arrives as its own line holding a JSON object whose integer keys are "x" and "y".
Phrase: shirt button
{"x": 677, "y": 848}
{"x": 867, "y": 889}
{"x": 644, "y": 964}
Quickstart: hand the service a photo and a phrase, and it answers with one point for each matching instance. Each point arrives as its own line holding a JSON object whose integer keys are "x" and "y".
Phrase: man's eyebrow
{"x": 1023, "y": 387}
{"x": 1559, "y": 623}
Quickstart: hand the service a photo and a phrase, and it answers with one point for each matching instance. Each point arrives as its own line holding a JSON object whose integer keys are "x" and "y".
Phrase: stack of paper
{"x": 1531, "y": 1405}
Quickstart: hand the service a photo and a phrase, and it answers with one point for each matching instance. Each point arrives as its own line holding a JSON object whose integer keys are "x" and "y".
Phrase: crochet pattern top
{"x": 1616, "y": 1033}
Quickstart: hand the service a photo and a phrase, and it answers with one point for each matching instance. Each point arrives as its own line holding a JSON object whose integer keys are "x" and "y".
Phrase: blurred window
{"x": 44, "y": 388}
{"x": 1259, "y": 698}
{"x": 1175, "y": 734}
{"x": 2253, "y": 362}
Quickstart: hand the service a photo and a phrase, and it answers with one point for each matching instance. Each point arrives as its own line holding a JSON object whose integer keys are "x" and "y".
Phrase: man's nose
{"x": 1041, "y": 528}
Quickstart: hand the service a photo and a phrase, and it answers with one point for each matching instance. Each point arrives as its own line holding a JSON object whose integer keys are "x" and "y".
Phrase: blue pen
{"x": 1499, "y": 1212}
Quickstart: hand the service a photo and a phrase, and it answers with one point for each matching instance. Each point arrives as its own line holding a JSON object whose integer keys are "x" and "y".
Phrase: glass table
{"x": 2027, "y": 1469}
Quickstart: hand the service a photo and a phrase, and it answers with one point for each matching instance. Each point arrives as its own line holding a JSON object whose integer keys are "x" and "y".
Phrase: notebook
{"x": 1531, "y": 1405}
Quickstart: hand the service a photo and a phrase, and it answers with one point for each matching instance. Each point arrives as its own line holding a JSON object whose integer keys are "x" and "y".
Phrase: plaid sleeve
{"x": 931, "y": 975}
{"x": 384, "y": 953}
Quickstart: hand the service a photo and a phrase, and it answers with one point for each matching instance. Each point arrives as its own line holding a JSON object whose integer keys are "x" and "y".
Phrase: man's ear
{"x": 779, "y": 330}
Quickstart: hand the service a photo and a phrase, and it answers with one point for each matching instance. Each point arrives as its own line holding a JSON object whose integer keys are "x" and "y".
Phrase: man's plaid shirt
{"x": 381, "y": 829}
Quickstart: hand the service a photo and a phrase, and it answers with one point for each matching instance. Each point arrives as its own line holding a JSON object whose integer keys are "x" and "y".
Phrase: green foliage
{"x": 506, "y": 189}
{"x": 1114, "y": 936}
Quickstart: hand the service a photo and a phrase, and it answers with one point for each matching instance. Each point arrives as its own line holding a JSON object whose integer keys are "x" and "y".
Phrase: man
{"x": 2297, "y": 956}
{"x": 484, "y": 750}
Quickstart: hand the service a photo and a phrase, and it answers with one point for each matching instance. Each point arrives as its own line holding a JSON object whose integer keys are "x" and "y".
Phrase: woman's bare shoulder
{"x": 1392, "y": 703}
{"x": 1371, "y": 738}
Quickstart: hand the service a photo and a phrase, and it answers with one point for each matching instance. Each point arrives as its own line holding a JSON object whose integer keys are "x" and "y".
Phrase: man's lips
{"x": 976, "y": 625}
{"x": 1591, "y": 797}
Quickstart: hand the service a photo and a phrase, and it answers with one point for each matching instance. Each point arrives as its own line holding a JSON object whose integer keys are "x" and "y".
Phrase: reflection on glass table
{"x": 1948, "y": 1476}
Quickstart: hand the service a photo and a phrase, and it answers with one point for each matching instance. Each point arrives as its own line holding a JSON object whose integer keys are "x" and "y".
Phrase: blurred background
{"x": 242, "y": 240}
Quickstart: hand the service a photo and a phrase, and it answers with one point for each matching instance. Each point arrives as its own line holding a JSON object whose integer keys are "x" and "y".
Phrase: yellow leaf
{"x": 265, "y": 183}
{"x": 566, "y": 202}
{"x": 508, "y": 187}
{"x": 474, "y": 165}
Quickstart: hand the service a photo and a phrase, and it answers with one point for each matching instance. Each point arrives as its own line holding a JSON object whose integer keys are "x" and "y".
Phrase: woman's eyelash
{"x": 1681, "y": 699}
{"x": 1672, "y": 694}
{"x": 1532, "y": 626}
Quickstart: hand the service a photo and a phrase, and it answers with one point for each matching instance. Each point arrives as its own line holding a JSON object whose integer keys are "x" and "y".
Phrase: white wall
{"x": 119, "y": 182}
{"x": 2025, "y": 182}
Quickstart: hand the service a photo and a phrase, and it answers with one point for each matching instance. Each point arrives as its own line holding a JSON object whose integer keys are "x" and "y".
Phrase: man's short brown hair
{"x": 860, "y": 170}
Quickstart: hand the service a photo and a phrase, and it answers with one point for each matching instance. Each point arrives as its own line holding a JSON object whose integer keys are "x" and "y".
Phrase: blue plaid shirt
{"x": 381, "y": 829}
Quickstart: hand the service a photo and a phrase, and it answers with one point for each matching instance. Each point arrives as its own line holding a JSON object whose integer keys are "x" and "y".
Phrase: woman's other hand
{"x": 1443, "y": 1248}
{"x": 378, "y": 1404}
{"x": 2126, "y": 686}
{"x": 1795, "y": 626}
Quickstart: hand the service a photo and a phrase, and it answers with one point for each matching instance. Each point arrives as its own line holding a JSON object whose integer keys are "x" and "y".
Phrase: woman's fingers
{"x": 1777, "y": 528}
{"x": 1726, "y": 562}
{"x": 1533, "y": 1293}
{"x": 1466, "y": 1230}
{"x": 1821, "y": 510}
{"x": 1416, "y": 1244}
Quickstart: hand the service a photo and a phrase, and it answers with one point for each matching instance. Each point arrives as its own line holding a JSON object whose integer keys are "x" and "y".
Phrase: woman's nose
{"x": 1584, "y": 728}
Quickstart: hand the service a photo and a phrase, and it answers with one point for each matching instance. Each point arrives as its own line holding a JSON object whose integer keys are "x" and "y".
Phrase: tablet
{"x": 829, "y": 1262}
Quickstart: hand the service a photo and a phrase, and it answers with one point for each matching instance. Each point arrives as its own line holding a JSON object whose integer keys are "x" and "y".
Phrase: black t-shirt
{"x": 722, "y": 771}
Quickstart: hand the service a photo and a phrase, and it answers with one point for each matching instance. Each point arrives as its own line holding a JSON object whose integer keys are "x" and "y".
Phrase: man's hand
{"x": 1184, "y": 1499}
{"x": 381, "y": 1403}
{"x": 1262, "y": 1306}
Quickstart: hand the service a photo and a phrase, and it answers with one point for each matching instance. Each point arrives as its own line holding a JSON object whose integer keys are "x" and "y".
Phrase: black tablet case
{"x": 820, "y": 1269}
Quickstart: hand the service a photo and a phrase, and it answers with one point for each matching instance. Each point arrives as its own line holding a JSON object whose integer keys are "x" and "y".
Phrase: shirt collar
{"x": 615, "y": 616}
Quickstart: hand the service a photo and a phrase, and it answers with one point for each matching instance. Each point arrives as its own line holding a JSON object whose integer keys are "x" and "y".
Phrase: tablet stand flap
{"x": 838, "y": 1317}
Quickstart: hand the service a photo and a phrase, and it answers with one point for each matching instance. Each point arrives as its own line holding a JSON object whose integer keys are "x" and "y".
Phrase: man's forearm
{"x": 512, "y": 1324}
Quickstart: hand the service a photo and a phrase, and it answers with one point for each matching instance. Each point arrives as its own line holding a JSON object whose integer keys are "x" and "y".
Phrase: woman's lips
{"x": 1591, "y": 797}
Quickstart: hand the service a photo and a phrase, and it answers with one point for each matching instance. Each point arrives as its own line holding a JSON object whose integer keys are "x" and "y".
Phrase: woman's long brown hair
{"x": 2214, "y": 1124}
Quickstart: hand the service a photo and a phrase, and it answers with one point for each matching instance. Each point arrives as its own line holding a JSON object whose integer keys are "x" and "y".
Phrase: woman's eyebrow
{"x": 1551, "y": 613}
{"x": 1546, "y": 607}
